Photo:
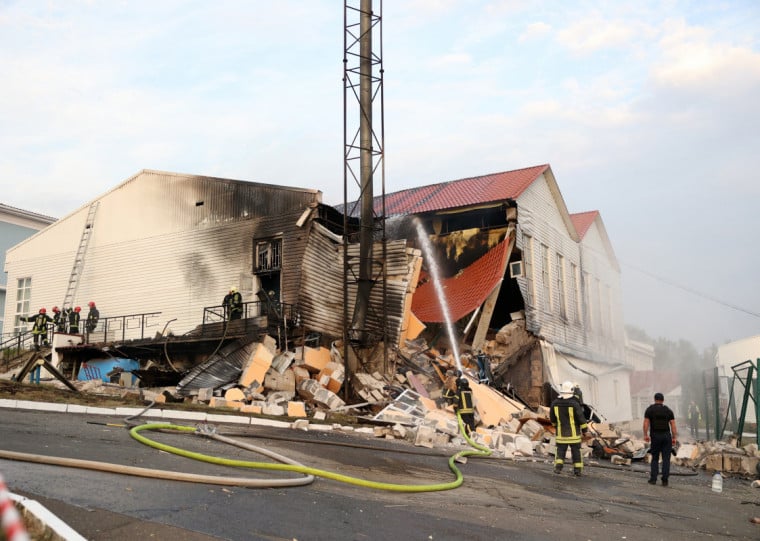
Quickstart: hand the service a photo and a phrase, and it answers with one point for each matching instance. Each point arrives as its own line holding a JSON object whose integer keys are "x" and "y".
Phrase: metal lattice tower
{"x": 363, "y": 139}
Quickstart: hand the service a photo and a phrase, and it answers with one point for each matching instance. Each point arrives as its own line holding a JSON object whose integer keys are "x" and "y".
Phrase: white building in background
{"x": 733, "y": 361}
{"x": 15, "y": 226}
{"x": 169, "y": 243}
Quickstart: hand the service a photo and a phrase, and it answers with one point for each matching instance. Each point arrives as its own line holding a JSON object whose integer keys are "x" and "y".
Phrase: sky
{"x": 647, "y": 111}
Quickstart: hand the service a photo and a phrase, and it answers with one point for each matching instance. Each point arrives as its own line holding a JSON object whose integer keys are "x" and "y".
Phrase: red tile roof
{"x": 465, "y": 291}
{"x": 459, "y": 193}
{"x": 583, "y": 220}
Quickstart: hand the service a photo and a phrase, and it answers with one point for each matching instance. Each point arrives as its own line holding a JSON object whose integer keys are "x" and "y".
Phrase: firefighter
{"x": 40, "y": 327}
{"x": 464, "y": 405}
{"x": 92, "y": 319}
{"x": 695, "y": 417}
{"x": 233, "y": 304}
{"x": 59, "y": 320}
{"x": 566, "y": 415}
{"x": 74, "y": 318}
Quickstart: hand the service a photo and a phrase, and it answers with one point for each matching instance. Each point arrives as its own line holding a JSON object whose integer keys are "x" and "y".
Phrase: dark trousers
{"x": 468, "y": 420}
{"x": 661, "y": 446}
{"x": 575, "y": 452}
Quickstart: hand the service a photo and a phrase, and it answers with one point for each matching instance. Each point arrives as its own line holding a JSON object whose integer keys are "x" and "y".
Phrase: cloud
{"x": 534, "y": 31}
{"x": 595, "y": 34}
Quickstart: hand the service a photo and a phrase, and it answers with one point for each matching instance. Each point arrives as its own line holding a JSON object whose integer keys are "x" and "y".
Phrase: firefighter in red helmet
{"x": 40, "y": 327}
{"x": 74, "y": 318}
{"x": 92, "y": 319}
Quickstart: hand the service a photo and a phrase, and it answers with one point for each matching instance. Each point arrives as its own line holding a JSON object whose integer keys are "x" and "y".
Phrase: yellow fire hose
{"x": 286, "y": 464}
{"x": 479, "y": 450}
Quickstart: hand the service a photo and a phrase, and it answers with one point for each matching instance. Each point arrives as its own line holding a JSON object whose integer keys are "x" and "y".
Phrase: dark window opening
{"x": 267, "y": 256}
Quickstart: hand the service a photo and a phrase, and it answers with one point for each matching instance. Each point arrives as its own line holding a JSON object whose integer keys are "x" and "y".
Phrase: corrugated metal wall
{"x": 321, "y": 300}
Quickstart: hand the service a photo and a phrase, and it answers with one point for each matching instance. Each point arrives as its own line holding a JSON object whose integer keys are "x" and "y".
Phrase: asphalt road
{"x": 499, "y": 499}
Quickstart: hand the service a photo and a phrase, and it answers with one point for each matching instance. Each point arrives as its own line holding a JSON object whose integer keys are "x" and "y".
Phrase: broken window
{"x": 268, "y": 255}
{"x": 561, "y": 297}
{"x": 528, "y": 268}
{"x": 23, "y": 296}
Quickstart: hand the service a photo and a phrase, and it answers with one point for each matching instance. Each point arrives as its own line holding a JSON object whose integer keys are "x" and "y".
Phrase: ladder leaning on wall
{"x": 76, "y": 269}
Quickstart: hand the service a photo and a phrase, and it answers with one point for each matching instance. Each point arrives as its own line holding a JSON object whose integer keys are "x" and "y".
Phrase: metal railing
{"x": 277, "y": 314}
{"x": 120, "y": 328}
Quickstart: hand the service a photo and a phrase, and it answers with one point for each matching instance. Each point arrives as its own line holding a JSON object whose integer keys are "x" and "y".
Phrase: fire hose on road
{"x": 286, "y": 464}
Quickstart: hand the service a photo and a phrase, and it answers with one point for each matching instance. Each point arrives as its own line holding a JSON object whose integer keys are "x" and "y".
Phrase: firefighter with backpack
{"x": 39, "y": 327}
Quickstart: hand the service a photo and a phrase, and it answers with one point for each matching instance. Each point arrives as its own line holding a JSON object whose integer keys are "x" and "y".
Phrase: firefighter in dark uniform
{"x": 233, "y": 304}
{"x": 566, "y": 415}
{"x": 74, "y": 318}
{"x": 40, "y": 327}
{"x": 59, "y": 320}
{"x": 93, "y": 316}
{"x": 464, "y": 406}
{"x": 660, "y": 427}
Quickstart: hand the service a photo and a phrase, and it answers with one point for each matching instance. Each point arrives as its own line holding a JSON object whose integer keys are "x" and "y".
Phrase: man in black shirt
{"x": 660, "y": 428}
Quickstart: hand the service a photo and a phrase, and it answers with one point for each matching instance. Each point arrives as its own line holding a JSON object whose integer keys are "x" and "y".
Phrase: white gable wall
{"x": 153, "y": 249}
{"x": 539, "y": 217}
{"x": 606, "y": 332}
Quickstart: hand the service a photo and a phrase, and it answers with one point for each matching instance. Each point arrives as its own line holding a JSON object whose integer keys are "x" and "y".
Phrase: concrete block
{"x": 252, "y": 408}
{"x": 276, "y": 381}
{"x": 280, "y": 397}
{"x": 487, "y": 435}
{"x": 532, "y": 429}
{"x": 319, "y": 415}
{"x": 282, "y": 361}
{"x": 205, "y": 394}
{"x": 234, "y": 395}
{"x": 314, "y": 359}
{"x": 523, "y": 446}
{"x": 296, "y": 409}
{"x": 7, "y": 403}
{"x": 300, "y": 374}
{"x": 273, "y": 409}
{"x": 425, "y": 436}
{"x": 620, "y": 460}
{"x": 713, "y": 462}
{"x": 328, "y": 399}
{"x": 308, "y": 388}
{"x": 399, "y": 431}
{"x": 257, "y": 366}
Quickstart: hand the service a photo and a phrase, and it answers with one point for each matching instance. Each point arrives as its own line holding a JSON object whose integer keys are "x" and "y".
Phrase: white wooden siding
{"x": 153, "y": 251}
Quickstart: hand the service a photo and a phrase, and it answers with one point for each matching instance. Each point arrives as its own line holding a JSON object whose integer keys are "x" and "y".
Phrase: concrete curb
{"x": 154, "y": 414}
{"x": 51, "y": 521}
{"x": 42, "y": 514}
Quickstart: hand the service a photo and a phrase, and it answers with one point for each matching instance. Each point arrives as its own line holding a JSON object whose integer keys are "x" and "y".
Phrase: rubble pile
{"x": 408, "y": 404}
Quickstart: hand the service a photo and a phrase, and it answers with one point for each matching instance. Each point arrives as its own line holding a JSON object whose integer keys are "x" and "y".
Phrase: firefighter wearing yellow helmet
{"x": 233, "y": 304}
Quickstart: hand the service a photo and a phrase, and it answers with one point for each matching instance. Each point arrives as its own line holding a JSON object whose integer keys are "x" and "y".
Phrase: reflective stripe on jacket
{"x": 567, "y": 416}
{"x": 465, "y": 402}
